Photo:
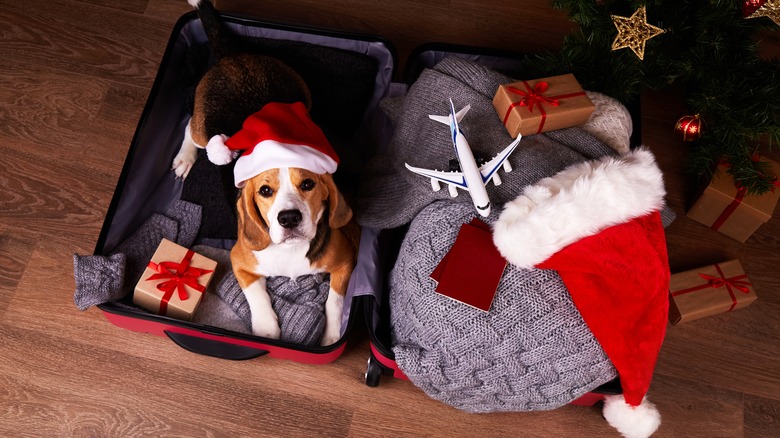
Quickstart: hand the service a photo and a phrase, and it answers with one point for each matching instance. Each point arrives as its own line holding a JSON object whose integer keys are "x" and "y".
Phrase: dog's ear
{"x": 251, "y": 226}
{"x": 339, "y": 212}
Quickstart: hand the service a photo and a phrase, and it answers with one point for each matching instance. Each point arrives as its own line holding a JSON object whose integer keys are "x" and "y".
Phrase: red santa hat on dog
{"x": 597, "y": 223}
{"x": 279, "y": 135}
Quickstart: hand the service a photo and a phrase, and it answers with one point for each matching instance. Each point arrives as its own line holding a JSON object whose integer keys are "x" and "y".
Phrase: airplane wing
{"x": 459, "y": 115}
{"x": 454, "y": 178}
{"x": 488, "y": 169}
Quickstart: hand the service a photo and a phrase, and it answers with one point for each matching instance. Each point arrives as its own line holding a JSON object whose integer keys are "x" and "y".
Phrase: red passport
{"x": 471, "y": 270}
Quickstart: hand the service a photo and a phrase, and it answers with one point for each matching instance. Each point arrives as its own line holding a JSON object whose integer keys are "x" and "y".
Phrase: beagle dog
{"x": 293, "y": 222}
{"x": 237, "y": 86}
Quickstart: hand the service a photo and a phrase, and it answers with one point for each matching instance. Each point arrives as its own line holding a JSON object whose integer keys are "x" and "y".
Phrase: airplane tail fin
{"x": 446, "y": 119}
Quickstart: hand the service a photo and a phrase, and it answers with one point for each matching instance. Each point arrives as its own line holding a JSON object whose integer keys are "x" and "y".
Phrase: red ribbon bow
{"x": 178, "y": 275}
{"x": 731, "y": 283}
{"x": 535, "y": 97}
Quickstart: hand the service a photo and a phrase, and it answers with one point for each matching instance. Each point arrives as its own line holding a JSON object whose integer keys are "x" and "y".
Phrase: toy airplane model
{"x": 472, "y": 178}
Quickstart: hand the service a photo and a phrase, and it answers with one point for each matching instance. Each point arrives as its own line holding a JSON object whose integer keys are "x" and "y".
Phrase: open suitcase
{"x": 381, "y": 361}
{"x": 147, "y": 185}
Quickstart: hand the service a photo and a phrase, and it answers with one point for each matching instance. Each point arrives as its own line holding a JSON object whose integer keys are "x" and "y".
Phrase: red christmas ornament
{"x": 689, "y": 128}
{"x": 750, "y": 6}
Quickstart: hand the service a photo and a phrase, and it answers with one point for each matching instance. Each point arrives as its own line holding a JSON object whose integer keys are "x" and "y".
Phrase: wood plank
{"x": 16, "y": 248}
{"x": 76, "y": 37}
{"x": 166, "y": 9}
{"x": 762, "y": 417}
{"x": 91, "y": 121}
{"x": 694, "y": 409}
{"x": 50, "y": 194}
{"x": 108, "y": 393}
{"x": 137, "y": 6}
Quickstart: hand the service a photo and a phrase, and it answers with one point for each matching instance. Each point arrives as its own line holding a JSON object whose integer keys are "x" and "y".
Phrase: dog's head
{"x": 286, "y": 205}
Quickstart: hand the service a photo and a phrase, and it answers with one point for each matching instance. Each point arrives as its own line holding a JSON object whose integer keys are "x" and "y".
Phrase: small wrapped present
{"x": 540, "y": 105}
{"x": 709, "y": 290}
{"x": 174, "y": 282}
{"x": 730, "y": 210}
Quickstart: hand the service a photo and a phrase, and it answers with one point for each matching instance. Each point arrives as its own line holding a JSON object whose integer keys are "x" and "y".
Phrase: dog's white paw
{"x": 331, "y": 335}
{"x": 333, "y": 307}
{"x": 182, "y": 163}
{"x": 266, "y": 325}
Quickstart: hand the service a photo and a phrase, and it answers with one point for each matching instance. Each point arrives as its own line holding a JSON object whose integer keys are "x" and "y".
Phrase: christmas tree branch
{"x": 708, "y": 49}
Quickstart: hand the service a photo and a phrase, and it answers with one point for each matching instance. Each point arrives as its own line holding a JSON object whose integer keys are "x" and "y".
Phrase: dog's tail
{"x": 218, "y": 37}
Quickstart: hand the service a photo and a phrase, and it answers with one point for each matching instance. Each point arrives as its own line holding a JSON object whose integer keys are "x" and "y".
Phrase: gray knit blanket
{"x": 531, "y": 351}
{"x": 389, "y": 195}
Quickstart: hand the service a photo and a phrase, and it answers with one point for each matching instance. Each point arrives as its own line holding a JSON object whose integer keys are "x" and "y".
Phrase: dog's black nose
{"x": 289, "y": 218}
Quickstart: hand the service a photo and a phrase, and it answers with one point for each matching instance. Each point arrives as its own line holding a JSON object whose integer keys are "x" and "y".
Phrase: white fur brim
{"x": 218, "y": 152}
{"x": 631, "y": 421}
{"x": 578, "y": 202}
{"x": 272, "y": 154}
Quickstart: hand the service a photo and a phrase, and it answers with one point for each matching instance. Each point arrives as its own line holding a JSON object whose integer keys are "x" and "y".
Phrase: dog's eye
{"x": 307, "y": 185}
{"x": 266, "y": 191}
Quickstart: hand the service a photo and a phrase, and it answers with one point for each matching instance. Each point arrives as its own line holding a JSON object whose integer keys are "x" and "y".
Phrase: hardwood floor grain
{"x": 81, "y": 38}
{"x": 75, "y": 78}
{"x": 762, "y": 417}
{"x": 16, "y": 248}
{"x": 53, "y": 195}
{"x": 696, "y": 409}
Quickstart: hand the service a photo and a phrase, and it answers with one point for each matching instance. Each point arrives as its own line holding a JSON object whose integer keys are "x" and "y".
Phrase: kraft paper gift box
{"x": 174, "y": 281}
{"x": 540, "y": 105}
{"x": 730, "y": 210}
{"x": 709, "y": 290}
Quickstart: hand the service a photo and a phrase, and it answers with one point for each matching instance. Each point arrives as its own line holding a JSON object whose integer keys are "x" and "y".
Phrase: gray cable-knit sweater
{"x": 532, "y": 351}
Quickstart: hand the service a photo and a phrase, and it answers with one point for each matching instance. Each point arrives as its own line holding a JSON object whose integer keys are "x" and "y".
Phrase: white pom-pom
{"x": 194, "y": 3}
{"x": 218, "y": 152}
{"x": 631, "y": 421}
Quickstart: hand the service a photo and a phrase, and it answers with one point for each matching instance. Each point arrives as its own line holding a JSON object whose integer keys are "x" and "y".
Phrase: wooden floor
{"x": 74, "y": 78}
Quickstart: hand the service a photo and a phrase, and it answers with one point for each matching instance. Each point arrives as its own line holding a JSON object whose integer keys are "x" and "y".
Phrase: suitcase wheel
{"x": 373, "y": 372}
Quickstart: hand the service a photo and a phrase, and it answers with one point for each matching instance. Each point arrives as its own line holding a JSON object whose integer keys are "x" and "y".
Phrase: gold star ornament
{"x": 769, "y": 9}
{"x": 634, "y": 31}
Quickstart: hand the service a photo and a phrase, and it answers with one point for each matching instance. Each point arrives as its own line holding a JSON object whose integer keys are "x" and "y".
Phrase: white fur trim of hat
{"x": 279, "y": 135}
{"x": 577, "y": 202}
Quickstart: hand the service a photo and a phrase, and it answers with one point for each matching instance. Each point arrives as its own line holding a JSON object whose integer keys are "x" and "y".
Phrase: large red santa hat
{"x": 597, "y": 223}
{"x": 279, "y": 135}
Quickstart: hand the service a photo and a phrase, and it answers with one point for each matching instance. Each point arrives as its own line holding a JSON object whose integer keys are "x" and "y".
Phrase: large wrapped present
{"x": 729, "y": 209}
{"x": 174, "y": 281}
{"x": 709, "y": 290}
{"x": 540, "y": 105}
